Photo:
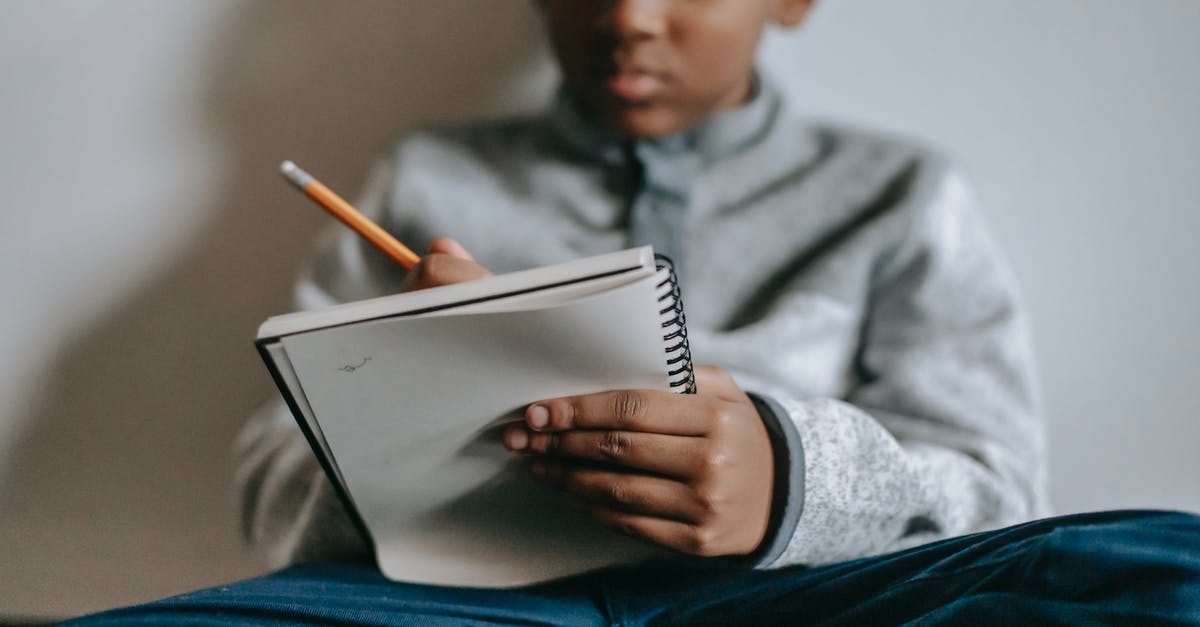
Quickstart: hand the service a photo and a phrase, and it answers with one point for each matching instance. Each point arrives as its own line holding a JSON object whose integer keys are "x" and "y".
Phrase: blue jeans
{"x": 1134, "y": 567}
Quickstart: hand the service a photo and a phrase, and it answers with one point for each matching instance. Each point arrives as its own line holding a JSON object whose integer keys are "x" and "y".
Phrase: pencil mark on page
{"x": 353, "y": 367}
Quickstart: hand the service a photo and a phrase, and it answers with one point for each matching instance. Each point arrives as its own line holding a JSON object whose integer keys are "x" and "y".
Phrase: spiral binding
{"x": 680, "y": 372}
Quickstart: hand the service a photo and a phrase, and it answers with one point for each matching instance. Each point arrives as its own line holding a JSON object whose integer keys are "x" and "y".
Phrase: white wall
{"x": 1080, "y": 124}
{"x": 146, "y": 234}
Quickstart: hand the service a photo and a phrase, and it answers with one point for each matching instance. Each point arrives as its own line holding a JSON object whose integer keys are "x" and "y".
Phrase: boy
{"x": 873, "y": 392}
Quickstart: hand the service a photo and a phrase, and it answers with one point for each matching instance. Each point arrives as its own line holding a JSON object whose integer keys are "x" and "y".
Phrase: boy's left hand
{"x": 689, "y": 472}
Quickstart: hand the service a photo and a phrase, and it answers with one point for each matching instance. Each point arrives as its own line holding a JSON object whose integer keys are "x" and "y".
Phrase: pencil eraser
{"x": 293, "y": 173}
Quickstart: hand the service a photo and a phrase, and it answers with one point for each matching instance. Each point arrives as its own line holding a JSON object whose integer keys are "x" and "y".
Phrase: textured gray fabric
{"x": 841, "y": 272}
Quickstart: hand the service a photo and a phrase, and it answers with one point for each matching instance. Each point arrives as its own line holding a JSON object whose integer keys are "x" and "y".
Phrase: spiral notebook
{"x": 404, "y": 399}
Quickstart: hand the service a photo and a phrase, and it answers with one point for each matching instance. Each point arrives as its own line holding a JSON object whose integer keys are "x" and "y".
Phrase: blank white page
{"x": 458, "y": 294}
{"x": 413, "y": 409}
{"x": 288, "y": 373}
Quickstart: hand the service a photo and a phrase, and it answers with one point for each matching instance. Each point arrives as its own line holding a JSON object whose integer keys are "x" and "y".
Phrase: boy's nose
{"x": 634, "y": 18}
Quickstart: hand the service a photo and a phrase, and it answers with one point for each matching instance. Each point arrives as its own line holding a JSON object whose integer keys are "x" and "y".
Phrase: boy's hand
{"x": 690, "y": 472}
{"x": 447, "y": 262}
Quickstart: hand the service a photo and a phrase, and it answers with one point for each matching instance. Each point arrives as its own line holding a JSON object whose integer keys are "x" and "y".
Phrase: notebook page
{"x": 522, "y": 302}
{"x": 284, "y": 366}
{"x": 549, "y": 297}
{"x": 498, "y": 286}
{"x": 413, "y": 410}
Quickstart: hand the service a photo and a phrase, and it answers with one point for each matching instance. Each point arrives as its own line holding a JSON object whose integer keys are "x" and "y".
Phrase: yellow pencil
{"x": 349, "y": 216}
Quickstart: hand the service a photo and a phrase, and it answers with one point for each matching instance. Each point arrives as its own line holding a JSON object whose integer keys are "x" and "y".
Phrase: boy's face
{"x": 650, "y": 68}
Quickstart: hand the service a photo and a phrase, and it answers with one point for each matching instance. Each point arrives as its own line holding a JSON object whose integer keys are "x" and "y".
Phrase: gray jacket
{"x": 844, "y": 278}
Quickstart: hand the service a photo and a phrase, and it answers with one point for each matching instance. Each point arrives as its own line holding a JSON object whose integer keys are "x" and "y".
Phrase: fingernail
{"x": 516, "y": 439}
{"x": 538, "y": 470}
{"x": 538, "y": 417}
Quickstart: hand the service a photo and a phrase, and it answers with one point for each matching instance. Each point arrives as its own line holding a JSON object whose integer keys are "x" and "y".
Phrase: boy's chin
{"x": 647, "y": 122}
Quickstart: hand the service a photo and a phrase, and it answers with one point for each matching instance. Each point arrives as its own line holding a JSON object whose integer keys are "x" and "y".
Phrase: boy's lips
{"x": 632, "y": 83}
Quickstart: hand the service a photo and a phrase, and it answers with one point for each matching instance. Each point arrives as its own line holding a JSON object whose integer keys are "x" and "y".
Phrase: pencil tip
{"x": 293, "y": 173}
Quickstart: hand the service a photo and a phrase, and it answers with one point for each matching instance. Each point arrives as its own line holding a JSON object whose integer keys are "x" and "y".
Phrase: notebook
{"x": 404, "y": 400}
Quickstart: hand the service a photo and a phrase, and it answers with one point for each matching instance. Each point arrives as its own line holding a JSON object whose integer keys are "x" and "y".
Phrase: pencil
{"x": 349, "y": 216}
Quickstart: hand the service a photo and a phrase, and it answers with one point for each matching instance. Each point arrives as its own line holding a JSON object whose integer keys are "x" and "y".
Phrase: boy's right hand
{"x": 446, "y": 262}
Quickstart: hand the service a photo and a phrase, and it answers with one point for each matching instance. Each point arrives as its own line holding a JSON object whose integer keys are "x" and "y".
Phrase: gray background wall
{"x": 145, "y": 234}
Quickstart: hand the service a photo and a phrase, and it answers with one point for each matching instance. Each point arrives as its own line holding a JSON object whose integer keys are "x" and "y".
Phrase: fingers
{"x": 661, "y": 511}
{"x": 649, "y": 411}
{"x": 447, "y": 246}
{"x": 673, "y": 534}
{"x": 633, "y": 493}
{"x": 689, "y": 472}
{"x": 447, "y": 263}
{"x": 716, "y": 381}
{"x": 670, "y": 455}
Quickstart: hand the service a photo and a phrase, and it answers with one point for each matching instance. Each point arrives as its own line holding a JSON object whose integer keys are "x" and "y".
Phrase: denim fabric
{"x": 1130, "y": 567}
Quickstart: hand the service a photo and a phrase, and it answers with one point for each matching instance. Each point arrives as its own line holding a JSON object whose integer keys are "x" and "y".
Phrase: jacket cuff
{"x": 787, "y": 501}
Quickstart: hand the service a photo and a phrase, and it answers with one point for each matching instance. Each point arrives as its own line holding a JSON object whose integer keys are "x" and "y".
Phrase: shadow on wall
{"x": 123, "y": 474}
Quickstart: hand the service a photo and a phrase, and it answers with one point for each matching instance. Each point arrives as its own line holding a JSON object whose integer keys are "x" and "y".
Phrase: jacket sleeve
{"x": 289, "y": 509}
{"x": 941, "y": 435}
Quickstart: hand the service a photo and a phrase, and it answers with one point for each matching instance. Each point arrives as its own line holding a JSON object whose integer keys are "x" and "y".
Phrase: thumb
{"x": 447, "y": 246}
